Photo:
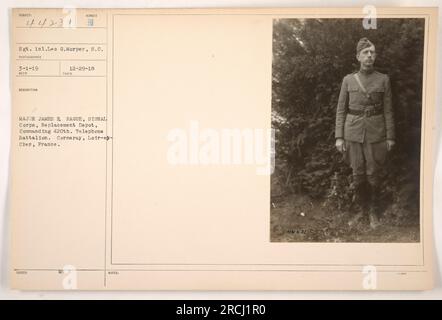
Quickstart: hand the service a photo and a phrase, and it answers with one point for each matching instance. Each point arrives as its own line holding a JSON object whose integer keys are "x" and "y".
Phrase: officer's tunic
{"x": 365, "y": 122}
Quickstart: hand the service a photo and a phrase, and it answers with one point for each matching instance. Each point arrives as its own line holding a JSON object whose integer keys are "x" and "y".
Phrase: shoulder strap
{"x": 361, "y": 85}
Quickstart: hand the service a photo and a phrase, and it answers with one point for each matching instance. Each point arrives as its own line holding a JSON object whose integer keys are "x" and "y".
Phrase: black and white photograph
{"x": 346, "y": 110}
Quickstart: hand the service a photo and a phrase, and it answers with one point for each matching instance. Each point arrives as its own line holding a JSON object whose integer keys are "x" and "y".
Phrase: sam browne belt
{"x": 368, "y": 111}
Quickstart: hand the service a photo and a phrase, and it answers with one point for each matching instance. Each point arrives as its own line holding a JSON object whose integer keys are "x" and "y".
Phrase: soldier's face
{"x": 367, "y": 56}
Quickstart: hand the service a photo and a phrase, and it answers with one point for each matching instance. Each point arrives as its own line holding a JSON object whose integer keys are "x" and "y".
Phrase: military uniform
{"x": 364, "y": 119}
{"x": 365, "y": 122}
{"x": 360, "y": 118}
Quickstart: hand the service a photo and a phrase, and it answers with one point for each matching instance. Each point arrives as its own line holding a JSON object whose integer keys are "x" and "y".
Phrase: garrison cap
{"x": 362, "y": 44}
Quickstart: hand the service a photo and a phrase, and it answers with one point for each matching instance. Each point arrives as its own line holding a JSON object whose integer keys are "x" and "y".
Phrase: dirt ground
{"x": 297, "y": 218}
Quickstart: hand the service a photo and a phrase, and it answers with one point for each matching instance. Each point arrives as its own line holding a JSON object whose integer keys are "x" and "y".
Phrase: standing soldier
{"x": 365, "y": 128}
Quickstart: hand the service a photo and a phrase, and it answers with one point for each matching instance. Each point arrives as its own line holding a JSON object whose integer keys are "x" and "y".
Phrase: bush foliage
{"x": 310, "y": 59}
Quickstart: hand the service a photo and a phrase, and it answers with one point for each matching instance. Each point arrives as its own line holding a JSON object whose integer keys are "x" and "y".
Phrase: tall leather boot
{"x": 374, "y": 201}
{"x": 358, "y": 203}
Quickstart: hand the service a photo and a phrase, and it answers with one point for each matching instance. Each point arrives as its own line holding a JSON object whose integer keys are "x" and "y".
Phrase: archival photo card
{"x": 222, "y": 149}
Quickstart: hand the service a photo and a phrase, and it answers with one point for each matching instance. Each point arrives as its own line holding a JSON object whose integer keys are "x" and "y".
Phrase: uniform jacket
{"x": 360, "y": 128}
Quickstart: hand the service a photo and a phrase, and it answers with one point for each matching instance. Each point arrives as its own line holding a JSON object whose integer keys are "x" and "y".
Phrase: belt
{"x": 368, "y": 111}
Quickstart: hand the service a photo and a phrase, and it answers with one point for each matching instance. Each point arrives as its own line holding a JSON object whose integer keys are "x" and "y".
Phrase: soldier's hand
{"x": 340, "y": 145}
{"x": 390, "y": 144}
